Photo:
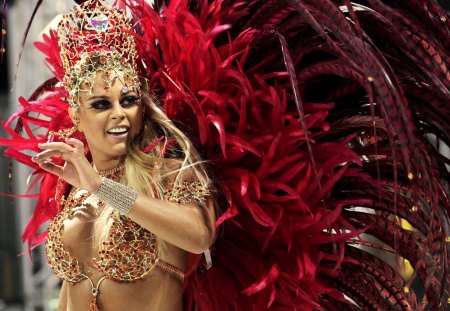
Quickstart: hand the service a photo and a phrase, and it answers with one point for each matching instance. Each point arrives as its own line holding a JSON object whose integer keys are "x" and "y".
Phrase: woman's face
{"x": 109, "y": 117}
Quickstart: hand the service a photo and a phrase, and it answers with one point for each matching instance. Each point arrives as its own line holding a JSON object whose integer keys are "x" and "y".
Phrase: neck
{"x": 105, "y": 165}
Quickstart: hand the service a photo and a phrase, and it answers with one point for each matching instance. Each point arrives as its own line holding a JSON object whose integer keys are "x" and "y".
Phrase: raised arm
{"x": 187, "y": 226}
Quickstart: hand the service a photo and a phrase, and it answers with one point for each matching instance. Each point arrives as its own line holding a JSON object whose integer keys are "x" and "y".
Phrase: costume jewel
{"x": 124, "y": 90}
{"x": 117, "y": 195}
{"x": 187, "y": 192}
{"x": 93, "y": 39}
{"x": 100, "y": 22}
{"x": 63, "y": 133}
{"x": 114, "y": 173}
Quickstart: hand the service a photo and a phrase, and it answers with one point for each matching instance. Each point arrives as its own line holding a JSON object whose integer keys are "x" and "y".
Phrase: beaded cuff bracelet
{"x": 118, "y": 196}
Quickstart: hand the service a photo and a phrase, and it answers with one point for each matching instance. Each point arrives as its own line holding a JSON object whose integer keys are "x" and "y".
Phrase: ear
{"x": 74, "y": 115}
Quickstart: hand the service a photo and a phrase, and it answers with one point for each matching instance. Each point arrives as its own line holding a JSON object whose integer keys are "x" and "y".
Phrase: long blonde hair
{"x": 151, "y": 172}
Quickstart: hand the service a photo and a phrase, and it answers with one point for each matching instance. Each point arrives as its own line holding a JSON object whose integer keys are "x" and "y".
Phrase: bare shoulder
{"x": 186, "y": 185}
{"x": 177, "y": 173}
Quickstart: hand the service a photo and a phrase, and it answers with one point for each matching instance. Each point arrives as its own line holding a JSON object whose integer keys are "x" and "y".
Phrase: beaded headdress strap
{"x": 95, "y": 38}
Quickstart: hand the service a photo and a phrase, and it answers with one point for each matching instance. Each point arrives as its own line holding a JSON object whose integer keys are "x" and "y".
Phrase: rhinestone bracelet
{"x": 118, "y": 196}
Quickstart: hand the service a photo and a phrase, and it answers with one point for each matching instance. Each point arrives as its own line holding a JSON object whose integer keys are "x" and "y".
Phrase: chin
{"x": 119, "y": 150}
{"x": 114, "y": 152}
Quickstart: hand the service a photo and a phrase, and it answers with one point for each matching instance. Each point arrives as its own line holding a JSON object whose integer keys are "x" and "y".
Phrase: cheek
{"x": 136, "y": 120}
{"x": 92, "y": 125}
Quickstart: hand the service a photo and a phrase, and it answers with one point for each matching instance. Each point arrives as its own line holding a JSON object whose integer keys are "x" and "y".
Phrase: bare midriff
{"x": 157, "y": 292}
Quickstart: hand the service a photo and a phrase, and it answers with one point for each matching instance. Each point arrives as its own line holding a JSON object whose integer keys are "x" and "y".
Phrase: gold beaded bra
{"x": 130, "y": 253}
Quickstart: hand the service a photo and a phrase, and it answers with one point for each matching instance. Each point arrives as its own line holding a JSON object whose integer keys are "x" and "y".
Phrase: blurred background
{"x": 25, "y": 283}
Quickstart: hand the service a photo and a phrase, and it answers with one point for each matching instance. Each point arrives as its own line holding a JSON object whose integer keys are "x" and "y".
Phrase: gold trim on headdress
{"x": 94, "y": 38}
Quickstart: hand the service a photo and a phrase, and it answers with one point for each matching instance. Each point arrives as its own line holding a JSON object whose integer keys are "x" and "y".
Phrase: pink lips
{"x": 120, "y": 136}
{"x": 120, "y": 132}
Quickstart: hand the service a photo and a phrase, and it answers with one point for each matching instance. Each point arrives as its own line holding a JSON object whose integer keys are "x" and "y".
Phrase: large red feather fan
{"x": 322, "y": 121}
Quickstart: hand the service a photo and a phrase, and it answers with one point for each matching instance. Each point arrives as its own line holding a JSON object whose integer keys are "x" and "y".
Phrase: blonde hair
{"x": 152, "y": 173}
{"x": 149, "y": 172}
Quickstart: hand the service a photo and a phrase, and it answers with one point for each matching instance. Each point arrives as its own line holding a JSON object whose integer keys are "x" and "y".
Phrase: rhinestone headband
{"x": 95, "y": 38}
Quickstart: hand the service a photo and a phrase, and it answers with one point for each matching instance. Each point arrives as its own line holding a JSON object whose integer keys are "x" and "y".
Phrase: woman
{"x": 112, "y": 121}
{"x": 319, "y": 118}
{"x": 125, "y": 191}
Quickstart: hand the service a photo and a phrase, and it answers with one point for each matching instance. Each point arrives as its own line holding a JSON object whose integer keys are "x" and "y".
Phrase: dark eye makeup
{"x": 101, "y": 104}
{"x": 126, "y": 101}
{"x": 130, "y": 100}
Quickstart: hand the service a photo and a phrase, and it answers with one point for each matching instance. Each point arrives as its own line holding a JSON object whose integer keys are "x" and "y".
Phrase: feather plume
{"x": 323, "y": 120}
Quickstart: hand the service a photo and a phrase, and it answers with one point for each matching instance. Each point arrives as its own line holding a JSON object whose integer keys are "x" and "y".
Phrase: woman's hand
{"x": 77, "y": 170}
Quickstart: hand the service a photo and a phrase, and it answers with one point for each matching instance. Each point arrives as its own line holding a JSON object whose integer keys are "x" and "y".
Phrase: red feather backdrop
{"x": 322, "y": 120}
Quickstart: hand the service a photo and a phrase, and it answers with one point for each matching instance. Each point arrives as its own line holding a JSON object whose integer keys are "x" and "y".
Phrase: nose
{"x": 117, "y": 111}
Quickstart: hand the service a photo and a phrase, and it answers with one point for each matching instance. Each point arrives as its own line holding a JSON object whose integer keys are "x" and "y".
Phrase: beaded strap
{"x": 171, "y": 269}
{"x": 187, "y": 192}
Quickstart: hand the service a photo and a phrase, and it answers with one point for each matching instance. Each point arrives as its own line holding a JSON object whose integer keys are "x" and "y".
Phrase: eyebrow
{"x": 104, "y": 97}
{"x": 98, "y": 97}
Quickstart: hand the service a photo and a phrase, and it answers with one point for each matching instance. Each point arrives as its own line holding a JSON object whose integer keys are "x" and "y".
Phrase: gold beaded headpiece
{"x": 95, "y": 38}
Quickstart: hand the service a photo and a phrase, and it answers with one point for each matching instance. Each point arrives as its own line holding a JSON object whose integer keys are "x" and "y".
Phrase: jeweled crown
{"x": 95, "y": 37}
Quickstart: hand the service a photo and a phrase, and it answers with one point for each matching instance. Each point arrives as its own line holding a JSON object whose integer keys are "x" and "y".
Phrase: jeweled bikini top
{"x": 130, "y": 253}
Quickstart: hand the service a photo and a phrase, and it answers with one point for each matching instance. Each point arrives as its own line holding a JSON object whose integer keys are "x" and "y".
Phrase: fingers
{"x": 60, "y": 146}
{"x": 46, "y": 154}
{"x": 62, "y": 150}
{"x": 57, "y": 150}
{"x": 52, "y": 168}
{"x": 76, "y": 143}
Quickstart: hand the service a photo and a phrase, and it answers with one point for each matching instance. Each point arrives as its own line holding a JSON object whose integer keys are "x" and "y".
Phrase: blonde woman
{"x": 316, "y": 117}
{"x": 115, "y": 123}
{"x": 132, "y": 212}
